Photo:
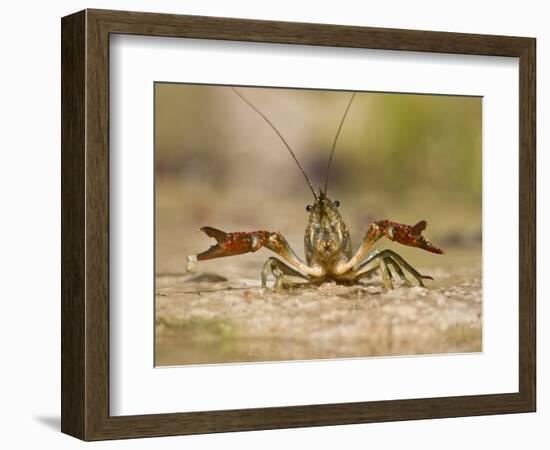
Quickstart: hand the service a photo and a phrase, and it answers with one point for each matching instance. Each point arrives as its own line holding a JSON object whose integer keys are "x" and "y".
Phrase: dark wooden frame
{"x": 85, "y": 224}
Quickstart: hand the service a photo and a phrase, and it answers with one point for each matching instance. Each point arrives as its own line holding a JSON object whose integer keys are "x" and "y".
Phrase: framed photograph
{"x": 272, "y": 224}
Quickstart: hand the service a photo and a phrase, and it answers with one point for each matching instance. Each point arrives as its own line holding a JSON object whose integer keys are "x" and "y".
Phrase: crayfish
{"x": 328, "y": 250}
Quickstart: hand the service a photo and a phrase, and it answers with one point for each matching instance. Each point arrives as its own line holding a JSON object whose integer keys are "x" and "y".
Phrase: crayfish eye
{"x": 308, "y": 208}
{"x": 337, "y": 204}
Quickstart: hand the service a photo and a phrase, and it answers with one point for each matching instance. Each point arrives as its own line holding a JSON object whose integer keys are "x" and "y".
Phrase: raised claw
{"x": 231, "y": 244}
{"x": 407, "y": 234}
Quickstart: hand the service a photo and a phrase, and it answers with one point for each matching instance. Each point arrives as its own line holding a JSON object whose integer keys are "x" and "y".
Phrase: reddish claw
{"x": 230, "y": 244}
{"x": 237, "y": 243}
{"x": 407, "y": 235}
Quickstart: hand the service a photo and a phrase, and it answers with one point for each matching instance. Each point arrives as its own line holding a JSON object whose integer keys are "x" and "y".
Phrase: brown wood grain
{"x": 73, "y": 225}
{"x": 85, "y": 224}
{"x": 527, "y": 224}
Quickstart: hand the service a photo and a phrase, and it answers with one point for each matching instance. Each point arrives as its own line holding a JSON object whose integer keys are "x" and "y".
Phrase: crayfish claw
{"x": 215, "y": 251}
{"x": 408, "y": 235}
{"x": 231, "y": 244}
{"x": 219, "y": 235}
{"x": 428, "y": 246}
{"x": 419, "y": 228}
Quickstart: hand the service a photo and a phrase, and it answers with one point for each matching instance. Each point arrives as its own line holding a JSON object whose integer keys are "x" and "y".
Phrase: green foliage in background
{"x": 417, "y": 141}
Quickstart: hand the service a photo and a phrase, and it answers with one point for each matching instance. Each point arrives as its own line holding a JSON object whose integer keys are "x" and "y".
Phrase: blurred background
{"x": 402, "y": 157}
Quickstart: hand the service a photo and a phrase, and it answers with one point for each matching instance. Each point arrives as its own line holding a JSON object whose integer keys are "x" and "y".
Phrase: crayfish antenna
{"x": 274, "y": 128}
{"x": 336, "y": 140}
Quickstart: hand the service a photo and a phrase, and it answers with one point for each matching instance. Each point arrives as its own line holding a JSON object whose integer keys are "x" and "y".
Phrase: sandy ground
{"x": 219, "y": 313}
